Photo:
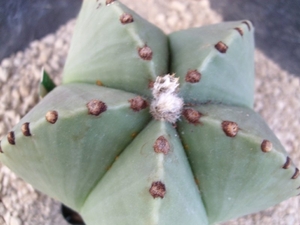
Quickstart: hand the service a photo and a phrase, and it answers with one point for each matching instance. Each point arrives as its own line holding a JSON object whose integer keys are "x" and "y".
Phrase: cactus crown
{"x": 166, "y": 104}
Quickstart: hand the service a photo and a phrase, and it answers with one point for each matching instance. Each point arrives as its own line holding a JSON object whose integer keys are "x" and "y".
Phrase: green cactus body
{"x": 74, "y": 153}
{"x": 222, "y": 55}
{"x": 138, "y": 169}
{"x": 125, "y": 55}
{"x": 93, "y": 144}
{"x": 217, "y": 158}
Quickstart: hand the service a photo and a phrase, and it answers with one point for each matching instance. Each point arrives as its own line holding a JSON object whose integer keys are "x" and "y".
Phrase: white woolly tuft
{"x": 166, "y": 105}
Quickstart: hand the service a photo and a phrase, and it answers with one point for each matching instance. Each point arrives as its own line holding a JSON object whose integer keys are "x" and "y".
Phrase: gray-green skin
{"x": 104, "y": 166}
{"x": 225, "y": 77}
{"x": 105, "y": 48}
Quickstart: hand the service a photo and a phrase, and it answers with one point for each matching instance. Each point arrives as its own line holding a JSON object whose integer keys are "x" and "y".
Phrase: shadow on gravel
{"x": 22, "y": 21}
{"x": 277, "y": 27}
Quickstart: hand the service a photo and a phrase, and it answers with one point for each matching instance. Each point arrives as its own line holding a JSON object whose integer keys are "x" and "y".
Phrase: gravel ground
{"x": 277, "y": 100}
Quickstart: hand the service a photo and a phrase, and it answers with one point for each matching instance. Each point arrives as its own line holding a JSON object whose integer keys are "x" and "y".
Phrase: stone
{"x": 15, "y": 221}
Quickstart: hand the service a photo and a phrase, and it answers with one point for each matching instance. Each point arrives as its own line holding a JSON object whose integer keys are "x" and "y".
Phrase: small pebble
{"x": 3, "y": 75}
{"x": 15, "y": 221}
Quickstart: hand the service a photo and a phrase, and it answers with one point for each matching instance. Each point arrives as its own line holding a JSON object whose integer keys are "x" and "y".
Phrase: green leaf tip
{"x": 46, "y": 84}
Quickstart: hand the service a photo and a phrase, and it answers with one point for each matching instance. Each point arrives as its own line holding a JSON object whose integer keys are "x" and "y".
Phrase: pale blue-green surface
{"x": 103, "y": 49}
{"x": 235, "y": 176}
{"x": 122, "y": 196}
{"x": 66, "y": 159}
{"x": 227, "y": 78}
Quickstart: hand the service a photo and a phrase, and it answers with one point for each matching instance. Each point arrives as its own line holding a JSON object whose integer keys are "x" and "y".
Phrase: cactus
{"x": 224, "y": 61}
{"x": 115, "y": 37}
{"x": 121, "y": 143}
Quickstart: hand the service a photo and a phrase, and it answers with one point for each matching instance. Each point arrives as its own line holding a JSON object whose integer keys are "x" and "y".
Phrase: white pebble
{"x": 49, "y": 39}
{"x": 3, "y": 75}
{"x": 6, "y": 63}
{"x": 179, "y": 6}
{"x": 15, "y": 221}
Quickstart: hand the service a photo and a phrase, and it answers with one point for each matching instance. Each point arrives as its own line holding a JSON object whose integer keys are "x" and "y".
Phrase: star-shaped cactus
{"x": 123, "y": 143}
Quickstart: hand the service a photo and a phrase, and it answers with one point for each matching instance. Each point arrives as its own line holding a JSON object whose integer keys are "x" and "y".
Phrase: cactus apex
{"x": 166, "y": 104}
